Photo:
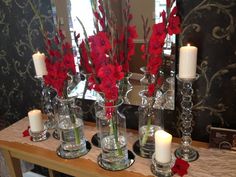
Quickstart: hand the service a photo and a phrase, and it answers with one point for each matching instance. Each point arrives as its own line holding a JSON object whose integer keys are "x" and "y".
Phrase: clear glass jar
{"x": 150, "y": 120}
{"x": 71, "y": 128}
{"x": 112, "y": 129}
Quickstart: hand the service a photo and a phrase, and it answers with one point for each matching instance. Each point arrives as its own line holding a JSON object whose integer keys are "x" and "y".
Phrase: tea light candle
{"x": 187, "y": 62}
{"x": 35, "y": 120}
{"x": 39, "y": 64}
{"x": 163, "y": 146}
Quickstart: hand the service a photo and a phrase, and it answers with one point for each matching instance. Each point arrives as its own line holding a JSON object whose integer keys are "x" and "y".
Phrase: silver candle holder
{"x": 185, "y": 151}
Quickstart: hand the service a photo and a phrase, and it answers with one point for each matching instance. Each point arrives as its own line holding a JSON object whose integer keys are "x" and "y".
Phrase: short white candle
{"x": 39, "y": 64}
{"x": 35, "y": 120}
{"x": 163, "y": 146}
{"x": 187, "y": 62}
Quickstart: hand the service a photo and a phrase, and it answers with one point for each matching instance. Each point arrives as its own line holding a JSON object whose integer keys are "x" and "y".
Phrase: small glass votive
{"x": 39, "y": 136}
{"x": 162, "y": 169}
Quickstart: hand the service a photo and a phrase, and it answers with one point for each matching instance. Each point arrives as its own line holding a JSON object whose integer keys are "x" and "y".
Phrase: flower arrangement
{"x": 153, "y": 48}
{"x": 106, "y": 54}
{"x": 153, "y": 54}
{"x": 60, "y": 63}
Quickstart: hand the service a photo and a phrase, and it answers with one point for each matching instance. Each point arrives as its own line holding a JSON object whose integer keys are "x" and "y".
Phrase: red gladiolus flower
{"x": 151, "y": 89}
{"x": 180, "y": 167}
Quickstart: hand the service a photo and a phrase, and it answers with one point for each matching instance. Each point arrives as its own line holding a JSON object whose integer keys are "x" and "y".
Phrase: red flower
{"x": 84, "y": 58}
{"x": 59, "y": 62}
{"x": 151, "y": 89}
{"x": 100, "y": 42}
{"x": 180, "y": 167}
{"x": 174, "y": 23}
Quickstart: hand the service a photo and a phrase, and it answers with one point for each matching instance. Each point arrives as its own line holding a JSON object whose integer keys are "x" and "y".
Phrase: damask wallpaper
{"x": 20, "y": 38}
{"x": 210, "y": 25}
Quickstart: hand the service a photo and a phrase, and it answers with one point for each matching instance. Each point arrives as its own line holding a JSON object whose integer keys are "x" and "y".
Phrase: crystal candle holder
{"x": 162, "y": 169}
{"x": 39, "y": 135}
{"x": 185, "y": 151}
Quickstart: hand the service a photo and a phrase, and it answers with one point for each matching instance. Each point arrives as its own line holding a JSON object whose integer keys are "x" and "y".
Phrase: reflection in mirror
{"x": 150, "y": 10}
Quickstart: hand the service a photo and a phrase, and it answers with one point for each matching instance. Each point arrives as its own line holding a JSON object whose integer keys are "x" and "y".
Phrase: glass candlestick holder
{"x": 162, "y": 169}
{"x": 185, "y": 151}
{"x": 47, "y": 97}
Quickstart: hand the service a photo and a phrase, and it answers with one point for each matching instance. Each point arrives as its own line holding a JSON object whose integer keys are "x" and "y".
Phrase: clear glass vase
{"x": 150, "y": 120}
{"x": 112, "y": 129}
{"x": 71, "y": 128}
{"x": 125, "y": 87}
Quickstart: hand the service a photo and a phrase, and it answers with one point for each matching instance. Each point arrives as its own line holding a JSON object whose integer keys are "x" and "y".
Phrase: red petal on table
{"x": 180, "y": 167}
{"x": 26, "y": 132}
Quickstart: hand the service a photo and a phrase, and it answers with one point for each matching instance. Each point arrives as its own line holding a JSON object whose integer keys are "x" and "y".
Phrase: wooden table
{"x": 14, "y": 150}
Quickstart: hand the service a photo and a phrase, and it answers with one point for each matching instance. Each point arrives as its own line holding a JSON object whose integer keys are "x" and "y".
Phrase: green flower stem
{"x": 113, "y": 130}
{"x": 145, "y": 137}
{"x": 76, "y": 132}
{"x": 75, "y": 129}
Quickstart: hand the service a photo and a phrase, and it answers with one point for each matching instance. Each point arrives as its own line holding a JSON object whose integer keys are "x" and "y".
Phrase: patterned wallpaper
{"x": 210, "y": 25}
{"x": 20, "y": 38}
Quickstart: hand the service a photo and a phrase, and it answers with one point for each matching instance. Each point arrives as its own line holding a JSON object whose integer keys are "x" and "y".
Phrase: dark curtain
{"x": 20, "y": 38}
{"x": 210, "y": 26}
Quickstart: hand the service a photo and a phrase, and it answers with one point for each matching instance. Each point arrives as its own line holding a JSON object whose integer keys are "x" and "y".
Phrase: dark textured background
{"x": 209, "y": 25}
{"x": 20, "y": 38}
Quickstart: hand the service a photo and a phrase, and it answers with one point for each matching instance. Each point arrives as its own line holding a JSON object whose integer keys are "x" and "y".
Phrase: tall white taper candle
{"x": 39, "y": 64}
{"x": 35, "y": 120}
{"x": 187, "y": 62}
{"x": 163, "y": 146}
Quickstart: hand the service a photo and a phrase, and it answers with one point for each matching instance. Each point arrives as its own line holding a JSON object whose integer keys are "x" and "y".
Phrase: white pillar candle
{"x": 39, "y": 64}
{"x": 35, "y": 120}
{"x": 163, "y": 146}
{"x": 187, "y": 62}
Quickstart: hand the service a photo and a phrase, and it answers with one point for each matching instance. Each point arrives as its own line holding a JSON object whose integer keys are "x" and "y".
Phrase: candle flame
{"x": 188, "y": 44}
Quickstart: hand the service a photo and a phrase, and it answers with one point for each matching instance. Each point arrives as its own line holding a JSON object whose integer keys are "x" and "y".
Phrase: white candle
{"x": 35, "y": 120}
{"x": 187, "y": 62}
{"x": 39, "y": 64}
{"x": 163, "y": 146}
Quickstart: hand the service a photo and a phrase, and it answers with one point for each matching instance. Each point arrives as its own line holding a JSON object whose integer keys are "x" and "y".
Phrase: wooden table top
{"x": 211, "y": 163}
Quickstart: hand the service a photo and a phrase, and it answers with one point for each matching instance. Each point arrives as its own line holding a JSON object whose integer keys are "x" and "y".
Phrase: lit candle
{"x": 163, "y": 146}
{"x": 39, "y": 64}
{"x": 35, "y": 120}
{"x": 187, "y": 62}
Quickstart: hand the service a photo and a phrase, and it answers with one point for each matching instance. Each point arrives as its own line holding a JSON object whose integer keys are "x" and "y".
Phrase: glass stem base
{"x": 188, "y": 154}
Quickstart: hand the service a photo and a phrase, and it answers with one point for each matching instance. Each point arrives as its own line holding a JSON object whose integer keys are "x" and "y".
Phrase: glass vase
{"x": 112, "y": 129}
{"x": 71, "y": 129}
{"x": 150, "y": 120}
{"x": 125, "y": 87}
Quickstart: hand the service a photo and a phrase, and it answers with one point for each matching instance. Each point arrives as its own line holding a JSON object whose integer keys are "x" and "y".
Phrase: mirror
{"x": 67, "y": 13}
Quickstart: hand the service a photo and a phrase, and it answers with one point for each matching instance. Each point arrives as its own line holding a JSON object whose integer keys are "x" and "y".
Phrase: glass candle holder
{"x": 185, "y": 151}
{"x": 162, "y": 169}
{"x": 39, "y": 135}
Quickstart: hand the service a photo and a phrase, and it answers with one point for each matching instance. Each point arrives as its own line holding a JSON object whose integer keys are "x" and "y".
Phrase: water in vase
{"x": 72, "y": 135}
{"x": 114, "y": 154}
{"x": 147, "y": 139}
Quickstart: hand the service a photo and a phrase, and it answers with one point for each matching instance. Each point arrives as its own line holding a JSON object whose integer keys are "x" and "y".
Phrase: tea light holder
{"x": 39, "y": 135}
{"x": 162, "y": 169}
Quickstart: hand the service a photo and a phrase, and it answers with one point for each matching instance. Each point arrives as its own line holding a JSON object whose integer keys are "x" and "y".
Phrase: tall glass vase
{"x": 71, "y": 129}
{"x": 112, "y": 129}
{"x": 150, "y": 120}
